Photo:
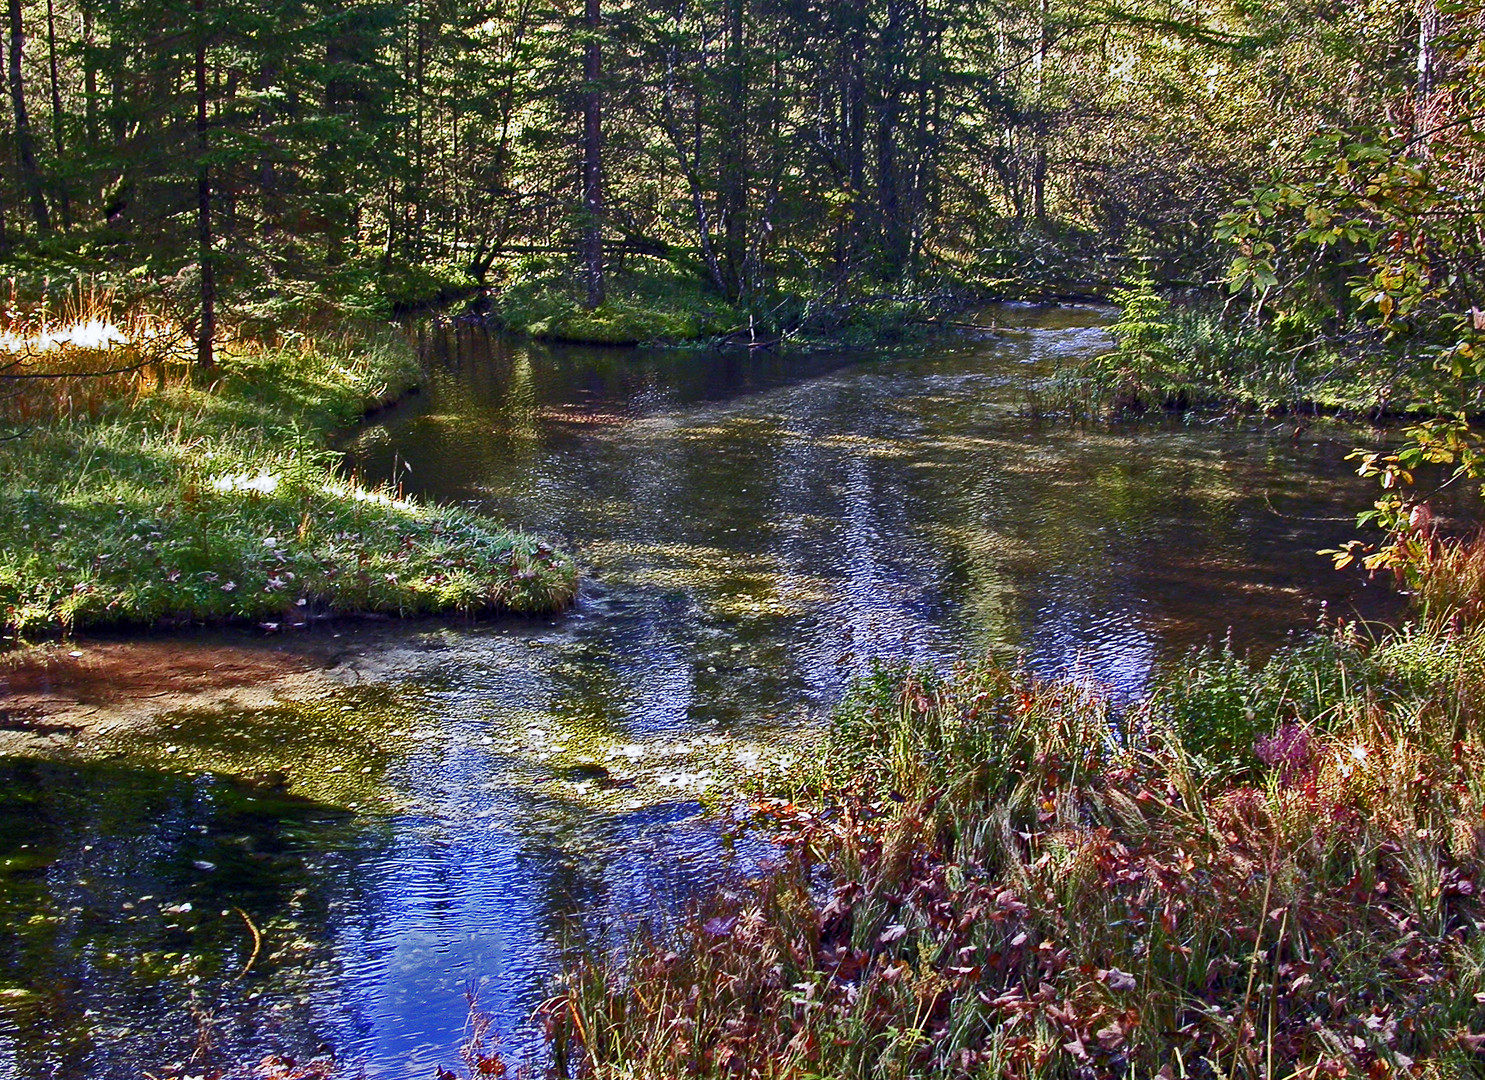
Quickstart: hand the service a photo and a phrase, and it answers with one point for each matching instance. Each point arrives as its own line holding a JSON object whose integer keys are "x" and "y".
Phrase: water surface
{"x": 755, "y": 530}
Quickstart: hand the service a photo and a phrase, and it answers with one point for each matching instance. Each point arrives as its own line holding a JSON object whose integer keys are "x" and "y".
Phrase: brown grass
{"x": 74, "y": 356}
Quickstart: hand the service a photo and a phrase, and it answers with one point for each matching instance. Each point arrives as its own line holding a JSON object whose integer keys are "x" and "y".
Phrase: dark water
{"x": 754, "y": 531}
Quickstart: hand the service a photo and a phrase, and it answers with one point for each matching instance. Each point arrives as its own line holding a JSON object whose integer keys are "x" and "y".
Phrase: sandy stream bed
{"x": 69, "y": 697}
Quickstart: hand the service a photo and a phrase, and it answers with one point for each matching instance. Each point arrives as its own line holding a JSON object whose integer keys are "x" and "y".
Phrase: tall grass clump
{"x": 132, "y": 490}
{"x": 1263, "y": 871}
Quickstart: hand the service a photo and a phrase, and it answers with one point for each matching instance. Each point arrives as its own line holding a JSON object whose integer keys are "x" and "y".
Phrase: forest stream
{"x": 335, "y": 871}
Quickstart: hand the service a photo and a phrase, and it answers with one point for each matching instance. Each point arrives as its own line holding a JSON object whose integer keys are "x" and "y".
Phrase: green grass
{"x": 641, "y": 308}
{"x": 1260, "y": 871}
{"x": 145, "y": 499}
{"x": 671, "y": 306}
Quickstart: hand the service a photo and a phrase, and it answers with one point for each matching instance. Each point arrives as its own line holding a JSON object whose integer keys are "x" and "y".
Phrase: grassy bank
{"x": 1191, "y": 355}
{"x": 657, "y": 306}
{"x": 149, "y": 496}
{"x": 669, "y": 306}
{"x": 1258, "y": 872}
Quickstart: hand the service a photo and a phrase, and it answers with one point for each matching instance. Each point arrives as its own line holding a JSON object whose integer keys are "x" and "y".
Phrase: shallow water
{"x": 754, "y": 530}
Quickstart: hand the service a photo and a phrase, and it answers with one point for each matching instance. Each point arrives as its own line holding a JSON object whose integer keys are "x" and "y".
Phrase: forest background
{"x": 692, "y": 167}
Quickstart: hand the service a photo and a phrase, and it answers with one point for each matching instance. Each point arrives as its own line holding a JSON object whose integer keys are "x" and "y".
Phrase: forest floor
{"x": 134, "y": 491}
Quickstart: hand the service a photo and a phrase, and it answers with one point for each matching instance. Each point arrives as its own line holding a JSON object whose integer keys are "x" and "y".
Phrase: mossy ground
{"x": 672, "y": 307}
{"x": 640, "y": 308}
{"x": 153, "y": 498}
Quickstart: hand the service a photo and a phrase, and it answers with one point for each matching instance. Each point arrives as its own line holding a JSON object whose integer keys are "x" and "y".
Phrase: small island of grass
{"x": 135, "y": 490}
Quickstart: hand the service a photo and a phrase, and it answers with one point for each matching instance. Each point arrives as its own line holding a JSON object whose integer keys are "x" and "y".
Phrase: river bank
{"x": 1176, "y": 353}
{"x": 670, "y": 308}
{"x": 138, "y": 492}
{"x": 1257, "y": 870}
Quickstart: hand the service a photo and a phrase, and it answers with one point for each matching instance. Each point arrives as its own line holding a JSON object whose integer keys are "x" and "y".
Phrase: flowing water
{"x": 334, "y": 874}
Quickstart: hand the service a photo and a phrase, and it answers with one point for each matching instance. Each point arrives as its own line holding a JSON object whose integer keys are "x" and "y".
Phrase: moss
{"x": 422, "y": 285}
{"x": 332, "y": 750}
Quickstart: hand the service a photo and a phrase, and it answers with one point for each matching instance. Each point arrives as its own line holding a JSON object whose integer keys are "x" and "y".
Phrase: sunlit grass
{"x": 93, "y": 335}
{"x": 133, "y": 493}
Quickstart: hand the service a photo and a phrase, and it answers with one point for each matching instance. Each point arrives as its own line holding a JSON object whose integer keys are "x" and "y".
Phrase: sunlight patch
{"x": 96, "y": 334}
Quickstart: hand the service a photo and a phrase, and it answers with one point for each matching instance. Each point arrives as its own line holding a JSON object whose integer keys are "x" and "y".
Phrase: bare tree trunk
{"x": 1428, "y": 76}
{"x": 51, "y": 56}
{"x": 593, "y": 159}
{"x": 24, "y": 147}
{"x": 207, "y": 330}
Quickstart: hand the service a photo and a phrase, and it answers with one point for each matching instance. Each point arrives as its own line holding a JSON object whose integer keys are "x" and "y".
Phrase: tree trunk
{"x": 1039, "y": 176}
{"x": 690, "y": 160}
{"x": 734, "y": 156}
{"x": 90, "y": 77}
{"x": 24, "y": 147}
{"x": 207, "y": 330}
{"x": 853, "y": 130}
{"x": 419, "y": 188}
{"x": 593, "y": 159}
{"x": 1428, "y": 77}
{"x": 893, "y": 235}
{"x": 51, "y": 56}
{"x": 1039, "y": 128}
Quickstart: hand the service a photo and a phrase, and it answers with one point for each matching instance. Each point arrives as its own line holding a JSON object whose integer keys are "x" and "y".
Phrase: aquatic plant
{"x": 995, "y": 875}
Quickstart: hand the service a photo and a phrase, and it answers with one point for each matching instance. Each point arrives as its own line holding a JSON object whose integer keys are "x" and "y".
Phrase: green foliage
{"x": 1369, "y": 227}
{"x": 1142, "y": 370}
{"x": 1150, "y": 367}
{"x": 1219, "y": 706}
{"x": 1375, "y": 242}
{"x": 398, "y": 153}
{"x": 639, "y": 308}
{"x": 408, "y": 288}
